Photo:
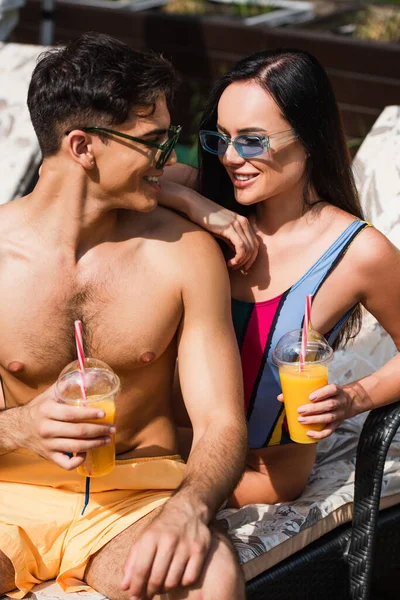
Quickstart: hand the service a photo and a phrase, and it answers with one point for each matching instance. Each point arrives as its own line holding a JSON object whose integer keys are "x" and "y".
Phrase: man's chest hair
{"x": 121, "y": 324}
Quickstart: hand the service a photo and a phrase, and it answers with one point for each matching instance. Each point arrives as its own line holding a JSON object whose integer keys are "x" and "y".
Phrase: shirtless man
{"x": 91, "y": 243}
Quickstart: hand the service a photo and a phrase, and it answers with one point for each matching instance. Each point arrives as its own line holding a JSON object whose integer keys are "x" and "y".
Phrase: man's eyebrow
{"x": 244, "y": 130}
{"x": 159, "y": 131}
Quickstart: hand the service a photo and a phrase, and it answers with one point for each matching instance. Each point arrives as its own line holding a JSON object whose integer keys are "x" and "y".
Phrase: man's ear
{"x": 80, "y": 148}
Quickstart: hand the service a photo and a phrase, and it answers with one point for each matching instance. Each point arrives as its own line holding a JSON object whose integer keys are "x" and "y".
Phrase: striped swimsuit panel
{"x": 260, "y": 325}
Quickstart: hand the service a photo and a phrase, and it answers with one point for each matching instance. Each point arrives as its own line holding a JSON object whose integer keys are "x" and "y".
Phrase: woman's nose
{"x": 232, "y": 156}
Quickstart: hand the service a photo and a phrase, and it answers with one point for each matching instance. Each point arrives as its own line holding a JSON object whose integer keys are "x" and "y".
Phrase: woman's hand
{"x": 236, "y": 231}
{"x": 331, "y": 404}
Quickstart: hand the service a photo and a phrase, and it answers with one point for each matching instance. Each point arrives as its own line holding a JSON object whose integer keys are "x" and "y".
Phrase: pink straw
{"x": 307, "y": 312}
{"x": 306, "y": 328}
{"x": 81, "y": 361}
{"x": 81, "y": 356}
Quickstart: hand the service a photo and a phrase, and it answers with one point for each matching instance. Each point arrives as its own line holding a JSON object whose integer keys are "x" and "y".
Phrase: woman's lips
{"x": 242, "y": 181}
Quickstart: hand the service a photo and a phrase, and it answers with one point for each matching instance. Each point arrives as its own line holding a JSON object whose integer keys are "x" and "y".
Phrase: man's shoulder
{"x": 9, "y": 219}
{"x": 184, "y": 235}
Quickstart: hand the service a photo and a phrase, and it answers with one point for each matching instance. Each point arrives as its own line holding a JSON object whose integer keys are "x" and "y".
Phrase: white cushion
{"x": 19, "y": 148}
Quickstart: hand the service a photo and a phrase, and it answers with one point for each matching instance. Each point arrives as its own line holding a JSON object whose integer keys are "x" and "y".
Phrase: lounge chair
{"x": 310, "y": 548}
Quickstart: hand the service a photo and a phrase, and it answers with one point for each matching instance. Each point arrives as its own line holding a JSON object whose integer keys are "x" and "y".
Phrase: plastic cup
{"x": 102, "y": 386}
{"x": 300, "y": 379}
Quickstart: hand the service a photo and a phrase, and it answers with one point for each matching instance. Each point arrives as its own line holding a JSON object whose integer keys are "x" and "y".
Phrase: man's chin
{"x": 148, "y": 205}
{"x": 142, "y": 204}
{"x": 152, "y": 207}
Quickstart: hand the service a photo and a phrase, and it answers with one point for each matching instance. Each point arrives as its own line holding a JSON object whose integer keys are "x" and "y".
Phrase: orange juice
{"x": 296, "y": 387}
{"x": 100, "y": 461}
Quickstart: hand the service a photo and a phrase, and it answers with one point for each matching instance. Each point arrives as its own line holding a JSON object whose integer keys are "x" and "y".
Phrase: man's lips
{"x": 151, "y": 179}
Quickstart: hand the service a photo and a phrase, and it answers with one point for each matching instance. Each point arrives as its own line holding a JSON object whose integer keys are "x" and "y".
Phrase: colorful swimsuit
{"x": 259, "y": 326}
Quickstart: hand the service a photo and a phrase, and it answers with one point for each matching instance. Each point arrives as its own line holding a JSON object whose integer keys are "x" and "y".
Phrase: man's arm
{"x": 9, "y": 427}
{"x": 211, "y": 380}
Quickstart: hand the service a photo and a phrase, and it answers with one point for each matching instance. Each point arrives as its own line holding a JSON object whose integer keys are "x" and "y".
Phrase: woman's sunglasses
{"x": 246, "y": 145}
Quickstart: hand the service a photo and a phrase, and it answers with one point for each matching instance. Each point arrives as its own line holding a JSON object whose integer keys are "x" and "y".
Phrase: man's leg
{"x": 221, "y": 579}
{"x": 7, "y": 574}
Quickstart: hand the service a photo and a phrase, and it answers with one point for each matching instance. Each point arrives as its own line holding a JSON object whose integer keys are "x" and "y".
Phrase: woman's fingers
{"x": 240, "y": 247}
{"x": 315, "y": 419}
{"x": 326, "y": 432}
{"x": 251, "y": 241}
{"x": 245, "y": 244}
{"x": 326, "y": 406}
{"x": 325, "y": 392}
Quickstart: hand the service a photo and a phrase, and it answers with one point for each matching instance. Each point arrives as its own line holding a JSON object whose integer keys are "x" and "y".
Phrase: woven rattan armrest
{"x": 377, "y": 434}
{"x": 339, "y": 565}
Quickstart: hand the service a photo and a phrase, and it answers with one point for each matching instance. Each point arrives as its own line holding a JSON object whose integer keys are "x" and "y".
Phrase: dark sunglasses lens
{"x": 212, "y": 142}
{"x": 166, "y": 153}
{"x": 249, "y": 145}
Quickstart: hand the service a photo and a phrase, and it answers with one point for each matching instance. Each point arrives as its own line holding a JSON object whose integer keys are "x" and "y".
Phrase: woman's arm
{"x": 234, "y": 229}
{"x": 377, "y": 272}
{"x": 182, "y": 174}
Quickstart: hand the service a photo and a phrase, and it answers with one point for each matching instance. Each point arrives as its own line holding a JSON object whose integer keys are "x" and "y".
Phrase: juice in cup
{"x": 299, "y": 378}
{"x": 101, "y": 386}
{"x": 296, "y": 388}
{"x": 100, "y": 461}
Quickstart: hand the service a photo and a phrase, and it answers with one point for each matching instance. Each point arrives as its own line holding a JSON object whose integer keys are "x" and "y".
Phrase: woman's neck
{"x": 284, "y": 212}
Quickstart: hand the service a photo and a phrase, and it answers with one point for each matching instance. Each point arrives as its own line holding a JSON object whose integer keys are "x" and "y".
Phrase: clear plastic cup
{"x": 299, "y": 380}
{"x": 102, "y": 386}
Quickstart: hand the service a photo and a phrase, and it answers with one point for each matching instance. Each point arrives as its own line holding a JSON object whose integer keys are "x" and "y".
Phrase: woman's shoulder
{"x": 371, "y": 251}
{"x": 369, "y": 247}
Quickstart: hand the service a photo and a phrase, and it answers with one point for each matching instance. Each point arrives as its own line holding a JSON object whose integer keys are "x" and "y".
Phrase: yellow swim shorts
{"x": 42, "y": 530}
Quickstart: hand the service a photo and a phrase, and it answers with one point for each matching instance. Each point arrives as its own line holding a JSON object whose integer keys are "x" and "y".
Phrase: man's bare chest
{"x": 128, "y": 319}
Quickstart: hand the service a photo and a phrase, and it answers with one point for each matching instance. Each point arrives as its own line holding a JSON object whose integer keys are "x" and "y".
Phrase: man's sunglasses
{"x": 246, "y": 145}
{"x": 165, "y": 149}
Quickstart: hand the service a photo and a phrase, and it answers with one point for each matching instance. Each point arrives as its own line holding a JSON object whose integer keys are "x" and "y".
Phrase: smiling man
{"x": 91, "y": 243}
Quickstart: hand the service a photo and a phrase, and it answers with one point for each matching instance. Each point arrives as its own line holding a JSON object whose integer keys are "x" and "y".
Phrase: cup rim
{"x": 113, "y": 392}
{"x": 278, "y": 362}
{"x": 307, "y": 364}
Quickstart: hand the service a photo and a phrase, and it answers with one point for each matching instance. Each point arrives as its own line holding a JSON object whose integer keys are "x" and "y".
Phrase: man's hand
{"x": 51, "y": 429}
{"x": 170, "y": 553}
{"x": 331, "y": 404}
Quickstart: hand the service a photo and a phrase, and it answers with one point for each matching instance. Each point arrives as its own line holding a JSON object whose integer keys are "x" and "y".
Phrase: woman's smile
{"x": 243, "y": 180}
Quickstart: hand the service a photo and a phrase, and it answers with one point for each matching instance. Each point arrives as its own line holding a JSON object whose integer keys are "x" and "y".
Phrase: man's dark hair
{"x": 95, "y": 80}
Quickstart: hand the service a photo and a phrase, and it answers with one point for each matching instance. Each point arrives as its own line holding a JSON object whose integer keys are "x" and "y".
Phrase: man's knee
{"x": 221, "y": 578}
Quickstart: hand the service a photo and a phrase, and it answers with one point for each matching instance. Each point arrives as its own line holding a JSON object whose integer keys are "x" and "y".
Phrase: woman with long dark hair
{"x": 273, "y": 150}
